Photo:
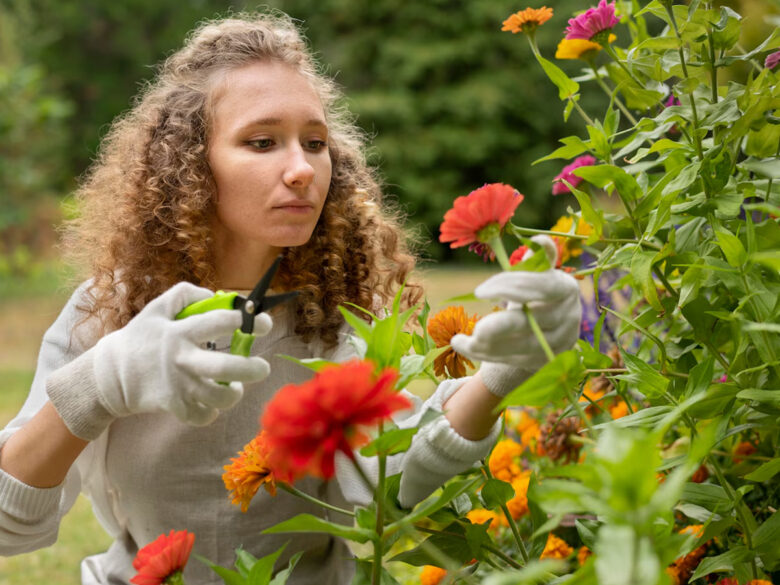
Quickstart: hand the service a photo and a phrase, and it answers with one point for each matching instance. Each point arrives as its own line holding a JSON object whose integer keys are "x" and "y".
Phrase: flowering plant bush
{"x": 647, "y": 454}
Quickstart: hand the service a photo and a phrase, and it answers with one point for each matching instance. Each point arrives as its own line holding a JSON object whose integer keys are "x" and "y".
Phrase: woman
{"x": 236, "y": 153}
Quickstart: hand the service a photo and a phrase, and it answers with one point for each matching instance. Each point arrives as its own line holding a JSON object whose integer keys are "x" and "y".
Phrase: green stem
{"x": 523, "y": 231}
{"x": 582, "y": 112}
{"x": 376, "y": 576}
{"x": 611, "y": 52}
{"x": 769, "y": 183}
{"x": 510, "y": 521}
{"x": 176, "y": 578}
{"x": 497, "y": 246}
{"x": 538, "y": 333}
{"x": 490, "y": 548}
{"x": 713, "y": 68}
{"x": 296, "y": 492}
{"x": 612, "y": 95}
{"x": 732, "y": 495}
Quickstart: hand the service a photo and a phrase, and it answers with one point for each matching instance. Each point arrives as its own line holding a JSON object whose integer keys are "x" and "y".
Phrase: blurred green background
{"x": 450, "y": 100}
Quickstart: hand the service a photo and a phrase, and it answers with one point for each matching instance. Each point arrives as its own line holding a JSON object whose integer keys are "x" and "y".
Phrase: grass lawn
{"x": 25, "y": 314}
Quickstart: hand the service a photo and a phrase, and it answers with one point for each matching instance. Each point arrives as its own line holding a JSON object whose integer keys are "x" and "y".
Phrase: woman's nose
{"x": 298, "y": 172}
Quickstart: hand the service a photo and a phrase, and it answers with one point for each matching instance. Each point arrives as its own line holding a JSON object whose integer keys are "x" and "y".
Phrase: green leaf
{"x": 683, "y": 179}
{"x": 707, "y": 495}
{"x": 573, "y": 146}
{"x": 437, "y": 501}
{"x": 765, "y": 168}
{"x": 550, "y": 383}
{"x": 261, "y": 570}
{"x": 732, "y": 248}
{"x": 721, "y": 563}
{"x": 642, "y": 271}
{"x": 758, "y": 395}
{"x": 566, "y": 87}
{"x": 725, "y": 33}
{"x": 314, "y": 364}
{"x": 364, "y": 574}
{"x": 451, "y": 541}
{"x": 282, "y": 576}
{"x": 534, "y": 573}
{"x": 589, "y": 213}
{"x": 310, "y": 523}
{"x": 390, "y": 442}
{"x": 495, "y": 493}
{"x": 643, "y": 376}
{"x": 765, "y": 472}
{"x": 228, "y": 576}
{"x": 606, "y": 176}
{"x": 362, "y": 328}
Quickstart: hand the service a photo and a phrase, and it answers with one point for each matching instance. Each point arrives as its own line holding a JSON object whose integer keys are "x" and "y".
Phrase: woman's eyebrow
{"x": 271, "y": 121}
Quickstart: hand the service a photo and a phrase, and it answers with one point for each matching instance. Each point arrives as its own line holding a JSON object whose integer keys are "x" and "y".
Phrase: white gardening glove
{"x": 504, "y": 341}
{"x": 158, "y": 364}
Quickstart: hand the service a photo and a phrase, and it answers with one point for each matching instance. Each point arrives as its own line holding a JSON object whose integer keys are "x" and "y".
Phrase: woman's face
{"x": 268, "y": 152}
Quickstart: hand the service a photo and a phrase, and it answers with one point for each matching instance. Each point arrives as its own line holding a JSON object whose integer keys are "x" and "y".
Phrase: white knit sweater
{"x": 148, "y": 474}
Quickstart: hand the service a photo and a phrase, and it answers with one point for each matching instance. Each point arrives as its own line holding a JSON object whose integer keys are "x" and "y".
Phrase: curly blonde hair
{"x": 147, "y": 200}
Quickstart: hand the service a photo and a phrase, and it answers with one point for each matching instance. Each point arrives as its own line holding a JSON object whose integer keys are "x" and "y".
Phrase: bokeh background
{"x": 450, "y": 101}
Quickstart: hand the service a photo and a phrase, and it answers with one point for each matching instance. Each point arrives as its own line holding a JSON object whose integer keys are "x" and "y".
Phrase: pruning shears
{"x": 255, "y": 303}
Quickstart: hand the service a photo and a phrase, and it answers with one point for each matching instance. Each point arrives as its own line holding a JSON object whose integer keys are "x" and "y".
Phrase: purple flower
{"x": 772, "y": 60}
{"x": 592, "y": 22}
{"x": 559, "y": 186}
{"x": 671, "y": 101}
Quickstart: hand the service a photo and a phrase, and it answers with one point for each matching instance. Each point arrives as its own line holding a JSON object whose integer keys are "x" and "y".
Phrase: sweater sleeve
{"x": 30, "y": 516}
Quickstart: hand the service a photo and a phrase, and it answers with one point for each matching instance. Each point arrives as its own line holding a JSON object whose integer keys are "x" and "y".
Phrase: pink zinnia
{"x": 559, "y": 186}
{"x": 772, "y": 60}
{"x": 592, "y": 22}
{"x": 491, "y": 204}
{"x": 671, "y": 101}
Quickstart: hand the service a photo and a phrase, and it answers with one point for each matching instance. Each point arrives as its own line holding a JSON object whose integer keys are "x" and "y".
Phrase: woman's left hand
{"x": 505, "y": 338}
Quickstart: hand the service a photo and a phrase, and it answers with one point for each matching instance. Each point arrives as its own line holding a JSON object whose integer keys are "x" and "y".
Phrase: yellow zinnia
{"x": 579, "y": 48}
{"x": 247, "y": 472}
{"x": 503, "y": 460}
{"x": 570, "y": 247}
{"x": 556, "y": 548}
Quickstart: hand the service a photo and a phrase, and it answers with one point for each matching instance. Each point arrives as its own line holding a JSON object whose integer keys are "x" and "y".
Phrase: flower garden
{"x": 647, "y": 454}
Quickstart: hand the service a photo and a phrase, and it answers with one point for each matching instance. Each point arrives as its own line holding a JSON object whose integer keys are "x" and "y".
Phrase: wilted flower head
{"x": 247, "y": 472}
{"x": 488, "y": 208}
{"x": 559, "y": 187}
{"x": 594, "y": 22}
{"x": 772, "y": 60}
{"x": 442, "y": 327}
{"x": 527, "y": 20}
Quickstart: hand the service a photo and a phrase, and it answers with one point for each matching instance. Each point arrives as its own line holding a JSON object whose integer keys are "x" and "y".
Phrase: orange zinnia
{"x": 527, "y": 20}
{"x": 432, "y": 575}
{"x": 442, "y": 327}
{"x": 247, "y": 472}
{"x": 490, "y": 206}
{"x": 307, "y": 424}
{"x": 556, "y": 548}
{"x": 480, "y": 516}
{"x": 518, "y": 506}
{"x": 503, "y": 460}
{"x": 166, "y": 556}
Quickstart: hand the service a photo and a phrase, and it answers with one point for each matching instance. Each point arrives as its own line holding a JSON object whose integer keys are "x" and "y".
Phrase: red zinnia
{"x": 164, "y": 557}
{"x": 492, "y": 204}
{"x": 307, "y": 424}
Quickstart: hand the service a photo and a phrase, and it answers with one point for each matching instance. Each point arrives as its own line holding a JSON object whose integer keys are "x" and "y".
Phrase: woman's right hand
{"x": 157, "y": 364}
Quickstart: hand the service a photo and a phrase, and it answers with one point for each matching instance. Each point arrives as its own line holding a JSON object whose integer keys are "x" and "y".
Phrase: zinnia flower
{"x": 772, "y": 60}
{"x": 682, "y": 568}
{"x": 618, "y": 410}
{"x": 579, "y": 48}
{"x": 159, "y": 561}
{"x": 490, "y": 206}
{"x": 442, "y": 327}
{"x": 307, "y": 424}
{"x": 583, "y": 554}
{"x": 569, "y": 247}
{"x": 517, "y": 256}
{"x": 432, "y": 575}
{"x": 480, "y": 516}
{"x": 559, "y": 187}
{"x": 529, "y": 430}
{"x": 503, "y": 460}
{"x": 247, "y": 472}
{"x": 527, "y": 20}
{"x": 671, "y": 101}
{"x": 556, "y": 548}
{"x": 518, "y": 505}
{"x": 594, "y": 22}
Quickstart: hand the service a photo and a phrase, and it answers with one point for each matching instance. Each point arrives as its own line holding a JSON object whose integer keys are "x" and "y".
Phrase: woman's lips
{"x": 295, "y": 207}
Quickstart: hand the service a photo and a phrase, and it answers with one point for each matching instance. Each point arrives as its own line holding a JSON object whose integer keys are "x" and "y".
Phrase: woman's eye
{"x": 261, "y": 143}
{"x": 316, "y": 145}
